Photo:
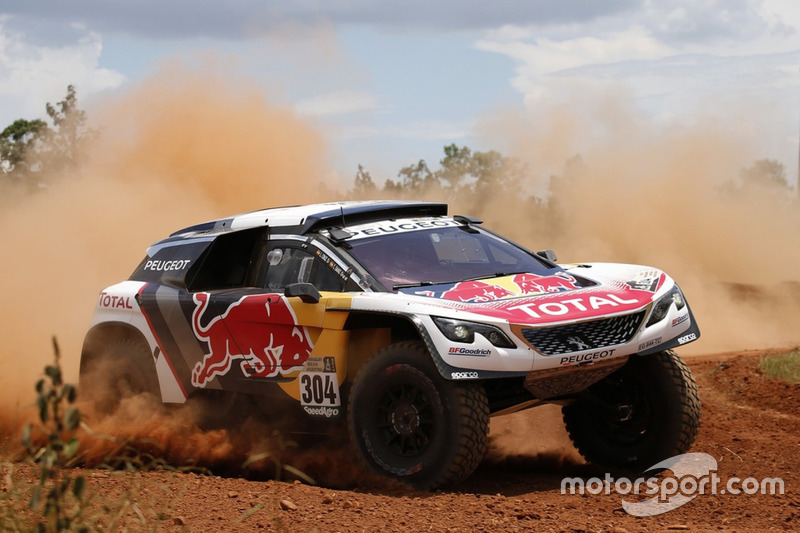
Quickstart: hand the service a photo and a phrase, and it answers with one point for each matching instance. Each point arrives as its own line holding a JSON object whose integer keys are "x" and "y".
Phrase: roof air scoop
{"x": 338, "y": 235}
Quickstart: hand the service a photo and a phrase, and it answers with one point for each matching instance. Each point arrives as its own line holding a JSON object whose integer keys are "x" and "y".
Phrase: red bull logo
{"x": 523, "y": 285}
{"x": 476, "y": 292}
{"x": 533, "y": 284}
{"x": 261, "y": 330}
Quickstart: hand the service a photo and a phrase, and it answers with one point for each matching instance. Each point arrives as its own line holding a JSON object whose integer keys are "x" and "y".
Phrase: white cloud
{"x": 338, "y": 103}
{"x": 547, "y": 55}
{"x": 31, "y": 75}
{"x": 735, "y": 63}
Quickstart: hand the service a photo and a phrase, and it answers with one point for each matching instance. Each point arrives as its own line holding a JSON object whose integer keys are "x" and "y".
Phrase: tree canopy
{"x": 32, "y": 149}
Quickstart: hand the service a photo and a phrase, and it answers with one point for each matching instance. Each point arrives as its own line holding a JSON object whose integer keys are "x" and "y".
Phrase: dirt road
{"x": 750, "y": 426}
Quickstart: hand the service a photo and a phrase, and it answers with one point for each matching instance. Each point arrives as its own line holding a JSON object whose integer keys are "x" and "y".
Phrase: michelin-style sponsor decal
{"x": 647, "y": 280}
{"x": 586, "y": 357}
{"x": 384, "y": 228}
{"x": 680, "y": 320}
{"x": 687, "y": 338}
{"x": 464, "y": 375}
{"x": 650, "y": 343}
{"x": 114, "y": 301}
{"x": 456, "y": 350}
{"x": 164, "y": 266}
{"x": 649, "y": 285}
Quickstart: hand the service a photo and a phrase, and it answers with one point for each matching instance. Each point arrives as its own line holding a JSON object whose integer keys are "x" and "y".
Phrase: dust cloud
{"x": 148, "y": 435}
{"x": 183, "y": 147}
{"x": 666, "y": 196}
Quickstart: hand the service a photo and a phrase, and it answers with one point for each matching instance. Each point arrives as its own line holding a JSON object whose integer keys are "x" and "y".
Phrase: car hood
{"x": 579, "y": 292}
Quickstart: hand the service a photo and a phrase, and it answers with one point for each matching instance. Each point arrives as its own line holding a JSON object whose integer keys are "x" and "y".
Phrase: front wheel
{"x": 645, "y": 412}
{"x": 409, "y": 423}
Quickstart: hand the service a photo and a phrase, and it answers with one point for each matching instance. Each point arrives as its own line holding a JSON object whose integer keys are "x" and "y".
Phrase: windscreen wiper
{"x": 418, "y": 284}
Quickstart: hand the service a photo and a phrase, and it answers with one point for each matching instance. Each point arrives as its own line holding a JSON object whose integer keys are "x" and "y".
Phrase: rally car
{"x": 408, "y": 327}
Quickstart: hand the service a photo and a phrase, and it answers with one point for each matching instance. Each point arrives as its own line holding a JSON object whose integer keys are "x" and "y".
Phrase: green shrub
{"x": 51, "y": 444}
{"x": 785, "y": 367}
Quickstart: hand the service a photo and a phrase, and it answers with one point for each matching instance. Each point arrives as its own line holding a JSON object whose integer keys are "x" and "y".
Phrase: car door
{"x": 259, "y": 334}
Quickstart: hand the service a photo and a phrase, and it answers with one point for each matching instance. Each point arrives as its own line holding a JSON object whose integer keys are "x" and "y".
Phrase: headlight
{"x": 660, "y": 310}
{"x": 461, "y": 331}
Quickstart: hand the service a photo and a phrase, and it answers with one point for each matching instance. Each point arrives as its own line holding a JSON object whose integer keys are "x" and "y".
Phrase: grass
{"x": 785, "y": 367}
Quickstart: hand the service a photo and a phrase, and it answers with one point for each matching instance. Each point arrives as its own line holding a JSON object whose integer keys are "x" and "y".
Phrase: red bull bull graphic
{"x": 476, "y": 292}
{"x": 506, "y": 287}
{"x": 260, "y": 329}
{"x": 532, "y": 284}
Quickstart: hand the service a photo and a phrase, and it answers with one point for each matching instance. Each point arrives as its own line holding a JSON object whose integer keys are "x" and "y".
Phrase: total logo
{"x": 576, "y": 306}
{"x": 456, "y": 350}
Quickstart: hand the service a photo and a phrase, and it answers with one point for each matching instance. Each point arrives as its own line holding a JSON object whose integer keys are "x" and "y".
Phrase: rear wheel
{"x": 120, "y": 369}
{"x": 645, "y": 412}
{"x": 409, "y": 423}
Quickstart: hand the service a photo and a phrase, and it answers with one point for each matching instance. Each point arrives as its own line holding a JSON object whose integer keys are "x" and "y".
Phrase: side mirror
{"x": 550, "y": 255}
{"x": 305, "y": 291}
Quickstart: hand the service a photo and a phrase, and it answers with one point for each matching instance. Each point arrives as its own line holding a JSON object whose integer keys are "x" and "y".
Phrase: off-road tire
{"x": 408, "y": 422}
{"x": 120, "y": 369}
{"x": 661, "y": 422}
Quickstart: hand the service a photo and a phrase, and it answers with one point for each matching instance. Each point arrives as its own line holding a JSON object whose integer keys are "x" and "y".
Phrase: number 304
{"x": 319, "y": 389}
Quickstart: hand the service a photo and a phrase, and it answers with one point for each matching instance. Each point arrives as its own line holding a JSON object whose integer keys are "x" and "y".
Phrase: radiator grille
{"x": 595, "y": 334}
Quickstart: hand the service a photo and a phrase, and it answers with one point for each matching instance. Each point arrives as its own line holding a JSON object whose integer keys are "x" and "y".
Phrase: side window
{"x": 284, "y": 265}
{"x": 224, "y": 265}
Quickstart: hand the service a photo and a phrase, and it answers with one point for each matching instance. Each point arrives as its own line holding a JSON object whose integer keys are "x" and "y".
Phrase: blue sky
{"x": 392, "y": 82}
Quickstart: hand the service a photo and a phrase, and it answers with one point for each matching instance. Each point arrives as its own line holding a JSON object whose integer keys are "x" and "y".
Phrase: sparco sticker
{"x": 464, "y": 375}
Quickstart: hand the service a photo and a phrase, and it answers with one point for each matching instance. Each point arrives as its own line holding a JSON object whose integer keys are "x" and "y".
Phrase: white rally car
{"x": 406, "y": 326}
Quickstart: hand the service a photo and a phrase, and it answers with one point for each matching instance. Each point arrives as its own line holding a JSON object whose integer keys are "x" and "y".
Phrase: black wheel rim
{"x": 405, "y": 419}
{"x": 626, "y": 415}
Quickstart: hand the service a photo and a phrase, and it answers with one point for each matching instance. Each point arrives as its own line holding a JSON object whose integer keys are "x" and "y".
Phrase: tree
{"x": 363, "y": 186}
{"x": 70, "y": 134}
{"x": 415, "y": 178}
{"x": 32, "y": 149}
{"x": 17, "y": 140}
{"x": 765, "y": 172}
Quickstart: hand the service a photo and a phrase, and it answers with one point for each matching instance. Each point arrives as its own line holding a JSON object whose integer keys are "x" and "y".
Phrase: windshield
{"x": 442, "y": 255}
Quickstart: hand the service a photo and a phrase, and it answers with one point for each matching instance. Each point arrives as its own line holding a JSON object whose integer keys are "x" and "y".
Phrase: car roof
{"x": 313, "y": 217}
